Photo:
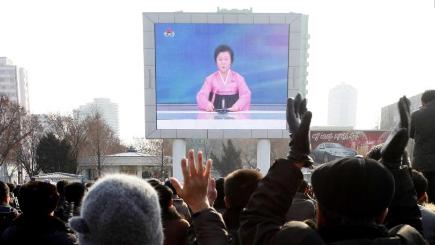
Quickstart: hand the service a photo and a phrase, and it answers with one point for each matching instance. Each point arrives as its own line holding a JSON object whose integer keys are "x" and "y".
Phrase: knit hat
{"x": 353, "y": 187}
{"x": 119, "y": 209}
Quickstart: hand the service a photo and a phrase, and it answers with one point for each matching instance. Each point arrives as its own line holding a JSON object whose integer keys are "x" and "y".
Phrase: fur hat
{"x": 353, "y": 187}
{"x": 119, "y": 209}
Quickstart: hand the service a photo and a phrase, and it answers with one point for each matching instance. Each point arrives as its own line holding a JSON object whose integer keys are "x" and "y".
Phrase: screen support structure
{"x": 263, "y": 155}
{"x": 178, "y": 153}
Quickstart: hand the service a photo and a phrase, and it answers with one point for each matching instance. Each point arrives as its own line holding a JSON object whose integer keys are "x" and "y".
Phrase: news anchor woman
{"x": 224, "y": 89}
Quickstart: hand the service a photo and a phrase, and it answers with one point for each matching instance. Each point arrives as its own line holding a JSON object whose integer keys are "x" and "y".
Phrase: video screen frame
{"x": 297, "y": 64}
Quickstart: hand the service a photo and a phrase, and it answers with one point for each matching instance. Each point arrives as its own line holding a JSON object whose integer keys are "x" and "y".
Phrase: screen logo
{"x": 169, "y": 33}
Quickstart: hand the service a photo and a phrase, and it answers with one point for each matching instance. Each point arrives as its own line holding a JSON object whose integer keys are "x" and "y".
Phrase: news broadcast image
{"x": 251, "y": 95}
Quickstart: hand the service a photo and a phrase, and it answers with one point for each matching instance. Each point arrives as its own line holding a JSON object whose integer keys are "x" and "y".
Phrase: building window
{"x": 146, "y": 174}
{"x": 130, "y": 170}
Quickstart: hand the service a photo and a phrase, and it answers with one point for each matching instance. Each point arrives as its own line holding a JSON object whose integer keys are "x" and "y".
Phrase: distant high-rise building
{"x": 342, "y": 106}
{"x": 107, "y": 109}
{"x": 13, "y": 83}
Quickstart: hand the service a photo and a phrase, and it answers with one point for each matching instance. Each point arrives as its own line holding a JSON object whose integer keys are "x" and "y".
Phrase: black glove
{"x": 298, "y": 120}
{"x": 394, "y": 147}
{"x": 405, "y": 113}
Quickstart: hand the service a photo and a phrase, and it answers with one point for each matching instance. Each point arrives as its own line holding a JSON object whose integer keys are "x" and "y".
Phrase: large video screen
{"x": 221, "y": 76}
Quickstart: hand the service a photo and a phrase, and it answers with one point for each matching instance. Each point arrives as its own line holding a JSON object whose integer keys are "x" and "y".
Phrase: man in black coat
{"x": 423, "y": 132}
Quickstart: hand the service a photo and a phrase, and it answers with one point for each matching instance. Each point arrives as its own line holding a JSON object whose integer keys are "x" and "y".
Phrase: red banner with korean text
{"x": 328, "y": 145}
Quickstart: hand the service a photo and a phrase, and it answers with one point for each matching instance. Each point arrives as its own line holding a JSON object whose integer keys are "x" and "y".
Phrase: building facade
{"x": 13, "y": 83}
{"x": 132, "y": 163}
{"x": 342, "y": 103}
{"x": 390, "y": 113}
{"x": 107, "y": 109}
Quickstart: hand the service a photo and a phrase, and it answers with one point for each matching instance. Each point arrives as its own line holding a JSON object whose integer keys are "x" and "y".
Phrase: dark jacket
{"x": 67, "y": 211}
{"x": 428, "y": 220}
{"x": 182, "y": 208}
{"x": 175, "y": 228}
{"x": 210, "y": 228}
{"x": 175, "y": 232}
{"x": 48, "y": 231}
{"x": 7, "y": 215}
{"x": 423, "y": 132}
{"x": 302, "y": 208}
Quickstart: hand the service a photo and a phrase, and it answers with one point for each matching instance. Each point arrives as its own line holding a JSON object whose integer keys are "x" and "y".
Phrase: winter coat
{"x": 423, "y": 132}
{"x": 47, "y": 230}
{"x": 7, "y": 215}
{"x": 302, "y": 208}
{"x": 175, "y": 228}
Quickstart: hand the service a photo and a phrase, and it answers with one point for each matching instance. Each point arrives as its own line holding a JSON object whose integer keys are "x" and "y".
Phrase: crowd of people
{"x": 381, "y": 198}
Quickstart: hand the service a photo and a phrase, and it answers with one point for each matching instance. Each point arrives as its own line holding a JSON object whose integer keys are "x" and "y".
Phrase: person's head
{"x": 88, "y": 185}
{"x": 303, "y": 188}
{"x": 153, "y": 182}
{"x": 239, "y": 186}
{"x": 165, "y": 196}
{"x": 60, "y": 185}
{"x": 4, "y": 193}
{"x": 38, "y": 199}
{"x": 119, "y": 209}
{"x": 420, "y": 185}
{"x": 169, "y": 184}
{"x": 427, "y": 96}
{"x": 224, "y": 57}
{"x": 219, "y": 203}
{"x": 352, "y": 191}
{"x": 74, "y": 192}
{"x": 17, "y": 190}
{"x": 11, "y": 187}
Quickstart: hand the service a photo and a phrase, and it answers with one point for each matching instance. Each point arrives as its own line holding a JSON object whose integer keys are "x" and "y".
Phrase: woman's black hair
{"x": 224, "y": 48}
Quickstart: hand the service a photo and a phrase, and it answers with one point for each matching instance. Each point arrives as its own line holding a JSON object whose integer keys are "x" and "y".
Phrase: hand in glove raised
{"x": 396, "y": 142}
{"x": 405, "y": 113}
{"x": 299, "y": 120}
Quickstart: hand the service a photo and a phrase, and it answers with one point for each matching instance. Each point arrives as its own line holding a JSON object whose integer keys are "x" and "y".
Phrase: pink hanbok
{"x": 234, "y": 86}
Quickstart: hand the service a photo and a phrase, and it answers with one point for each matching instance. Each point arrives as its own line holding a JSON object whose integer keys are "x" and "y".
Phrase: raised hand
{"x": 196, "y": 180}
{"x": 394, "y": 147}
{"x": 404, "y": 111}
{"x": 296, "y": 108}
{"x": 299, "y": 120}
{"x": 211, "y": 191}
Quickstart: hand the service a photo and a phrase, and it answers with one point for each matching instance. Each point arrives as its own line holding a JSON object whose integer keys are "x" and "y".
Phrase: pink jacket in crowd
{"x": 236, "y": 84}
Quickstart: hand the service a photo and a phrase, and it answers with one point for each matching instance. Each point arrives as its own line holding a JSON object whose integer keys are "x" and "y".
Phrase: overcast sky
{"x": 75, "y": 51}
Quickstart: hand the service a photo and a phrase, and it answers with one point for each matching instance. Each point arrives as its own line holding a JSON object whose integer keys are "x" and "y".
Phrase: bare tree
{"x": 26, "y": 152}
{"x": 155, "y": 147}
{"x": 248, "y": 154}
{"x": 149, "y": 146}
{"x": 72, "y": 129}
{"x": 207, "y": 146}
{"x": 229, "y": 161}
{"x": 279, "y": 149}
{"x": 58, "y": 125}
{"x": 101, "y": 140}
{"x": 14, "y": 128}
